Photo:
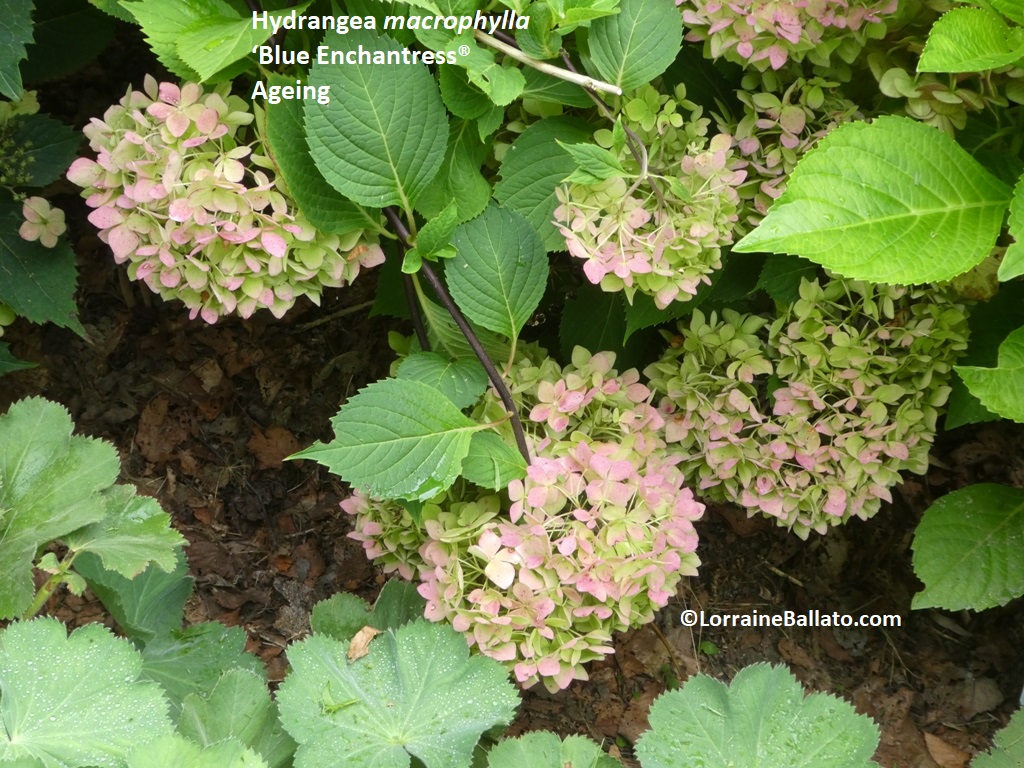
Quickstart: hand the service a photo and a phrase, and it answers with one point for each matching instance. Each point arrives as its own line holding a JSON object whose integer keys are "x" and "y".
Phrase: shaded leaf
{"x": 1000, "y": 389}
{"x": 54, "y": 147}
{"x": 9, "y": 363}
{"x": 1012, "y": 264}
{"x": 15, "y": 33}
{"x": 459, "y": 178}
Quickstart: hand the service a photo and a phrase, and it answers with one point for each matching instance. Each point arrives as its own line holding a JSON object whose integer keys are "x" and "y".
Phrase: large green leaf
{"x": 54, "y": 147}
{"x": 174, "y": 751}
{"x": 382, "y": 138}
{"x": 1008, "y": 751}
{"x": 50, "y": 483}
{"x": 500, "y": 272}
{"x": 762, "y": 720}
{"x": 967, "y": 549}
{"x": 638, "y": 43}
{"x": 1000, "y": 389}
{"x": 76, "y": 29}
{"x": 151, "y": 604}
{"x": 1012, "y": 264}
{"x": 74, "y": 700}
{"x": 545, "y": 750}
{"x": 212, "y": 42}
{"x": 462, "y": 380}
{"x": 164, "y": 23}
{"x": 1011, "y": 9}
{"x": 892, "y": 201}
{"x": 343, "y": 614}
{"x": 397, "y": 438}
{"x": 37, "y": 282}
{"x": 15, "y": 32}
{"x": 323, "y": 205}
{"x": 971, "y": 40}
{"x": 134, "y": 532}
{"x": 443, "y": 333}
{"x": 417, "y": 692}
{"x": 239, "y": 707}
{"x": 459, "y": 178}
{"x": 533, "y": 168}
{"x": 192, "y": 660}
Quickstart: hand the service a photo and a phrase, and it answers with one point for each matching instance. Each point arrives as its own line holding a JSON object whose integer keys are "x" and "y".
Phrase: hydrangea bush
{"x": 658, "y": 228}
{"x": 196, "y": 210}
{"x": 592, "y": 541}
{"x": 810, "y": 418}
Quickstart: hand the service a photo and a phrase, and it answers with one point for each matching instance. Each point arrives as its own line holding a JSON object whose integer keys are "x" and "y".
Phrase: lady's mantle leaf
{"x": 417, "y": 693}
{"x": 893, "y": 201}
{"x": 971, "y": 40}
{"x": 50, "y": 483}
{"x": 546, "y": 750}
{"x": 500, "y": 272}
{"x": 1013, "y": 261}
{"x": 74, "y": 700}
{"x": 762, "y": 719}
{"x": 1000, "y": 389}
{"x": 382, "y": 138}
{"x": 397, "y": 438}
{"x": 174, "y": 751}
{"x": 967, "y": 549}
{"x": 1008, "y": 751}
{"x": 638, "y": 43}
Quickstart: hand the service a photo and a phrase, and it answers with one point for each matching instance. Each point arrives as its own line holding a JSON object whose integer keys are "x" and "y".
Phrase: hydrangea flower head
{"x": 197, "y": 214}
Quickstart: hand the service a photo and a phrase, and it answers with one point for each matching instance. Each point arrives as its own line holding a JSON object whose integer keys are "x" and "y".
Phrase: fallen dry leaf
{"x": 360, "y": 645}
{"x": 272, "y": 447}
{"x": 944, "y": 753}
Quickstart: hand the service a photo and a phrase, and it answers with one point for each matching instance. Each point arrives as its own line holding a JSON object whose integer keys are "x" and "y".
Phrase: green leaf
{"x": 462, "y": 380}
{"x": 174, "y": 751}
{"x": 151, "y": 604}
{"x": 15, "y": 32}
{"x": 762, "y": 719}
{"x": 134, "y": 533}
{"x": 459, "y": 179}
{"x": 533, "y": 167}
{"x": 492, "y": 463}
{"x": 9, "y": 363}
{"x": 1013, "y": 261}
{"x": 443, "y": 333}
{"x": 1011, "y": 9}
{"x": 164, "y": 23}
{"x": 967, "y": 549}
{"x": 637, "y": 44}
{"x": 891, "y": 201}
{"x": 398, "y": 604}
{"x": 500, "y": 272}
{"x": 326, "y": 209}
{"x": 545, "y": 750}
{"x": 74, "y": 700}
{"x": 436, "y": 234}
{"x": 1000, "y": 389}
{"x": 417, "y": 693}
{"x": 239, "y": 707}
{"x": 78, "y": 31}
{"x": 113, "y": 7}
{"x": 382, "y": 138}
{"x": 596, "y": 320}
{"x": 971, "y": 40}
{"x": 340, "y": 616}
{"x": 462, "y": 99}
{"x": 502, "y": 83}
{"x": 192, "y": 660}
{"x": 397, "y": 438}
{"x": 50, "y": 483}
{"x": 575, "y": 12}
{"x": 54, "y": 147}
{"x": 594, "y": 164}
{"x": 547, "y": 88}
{"x": 644, "y": 313}
{"x": 781, "y": 275}
{"x": 211, "y": 43}
{"x": 1008, "y": 751}
{"x": 37, "y": 282}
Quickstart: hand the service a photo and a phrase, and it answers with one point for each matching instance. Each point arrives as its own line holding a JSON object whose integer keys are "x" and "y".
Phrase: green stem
{"x": 50, "y": 586}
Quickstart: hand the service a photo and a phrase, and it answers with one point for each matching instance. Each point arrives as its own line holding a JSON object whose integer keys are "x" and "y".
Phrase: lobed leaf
{"x": 416, "y": 694}
{"x": 533, "y": 167}
{"x": 397, "y": 438}
{"x": 74, "y": 699}
{"x": 762, "y": 720}
{"x": 49, "y": 486}
{"x": 967, "y": 549}
{"x": 1000, "y": 389}
{"x": 637, "y": 44}
{"x": 1008, "y": 751}
{"x": 174, "y": 751}
{"x": 500, "y": 271}
{"x": 891, "y": 201}
{"x": 382, "y": 138}
{"x": 971, "y": 40}
{"x": 545, "y": 750}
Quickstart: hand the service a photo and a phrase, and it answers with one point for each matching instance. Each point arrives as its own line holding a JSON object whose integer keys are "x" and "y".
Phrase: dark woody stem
{"x": 410, "y": 290}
